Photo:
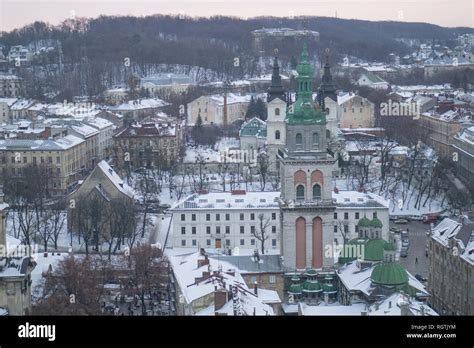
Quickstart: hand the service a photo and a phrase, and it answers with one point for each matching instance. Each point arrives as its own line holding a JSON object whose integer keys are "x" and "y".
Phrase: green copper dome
{"x": 312, "y": 286}
{"x": 389, "y": 273}
{"x": 329, "y": 288}
{"x": 304, "y": 68}
{"x": 389, "y": 247}
{"x": 311, "y": 272}
{"x": 363, "y": 248}
{"x": 364, "y": 222}
{"x": 295, "y": 289}
{"x": 376, "y": 223}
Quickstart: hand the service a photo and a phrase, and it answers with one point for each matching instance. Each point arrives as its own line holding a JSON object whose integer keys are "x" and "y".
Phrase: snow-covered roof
{"x": 99, "y": 123}
{"x": 140, "y": 104}
{"x": 8, "y": 101}
{"x": 194, "y": 284}
{"x": 115, "y": 179}
{"x": 85, "y": 130}
{"x": 41, "y": 145}
{"x": 359, "y": 199}
{"x": 22, "y": 104}
{"x": 463, "y": 234}
{"x": 230, "y": 200}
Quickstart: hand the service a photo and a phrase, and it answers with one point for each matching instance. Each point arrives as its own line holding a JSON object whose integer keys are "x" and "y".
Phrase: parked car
{"x": 393, "y": 217}
{"x": 404, "y": 252}
{"x": 420, "y": 278}
{"x": 405, "y": 243}
{"x": 416, "y": 217}
{"x": 395, "y": 229}
{"x": 401, "y": 221}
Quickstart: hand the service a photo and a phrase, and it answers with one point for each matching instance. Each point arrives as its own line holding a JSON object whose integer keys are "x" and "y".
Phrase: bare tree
{"x": 148, "y": 188}
{"x": 263, "y": 166}
{"x": 262, "y": 232}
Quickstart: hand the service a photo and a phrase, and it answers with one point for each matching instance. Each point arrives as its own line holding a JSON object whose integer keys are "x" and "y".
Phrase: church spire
{"x": 327, "y": 87}
{"x": 276, "y": 88}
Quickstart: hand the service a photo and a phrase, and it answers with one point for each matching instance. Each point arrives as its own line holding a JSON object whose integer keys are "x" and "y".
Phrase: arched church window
{"x": 277, "y": 135}
{"x": 315, "y": 140}
{"x": 299, "y": 141}
{"x": 328, "y": 134}
{"x": 300, "y": 193}
{"x": 316, "y": 192}
{"x": 277, "y": 112}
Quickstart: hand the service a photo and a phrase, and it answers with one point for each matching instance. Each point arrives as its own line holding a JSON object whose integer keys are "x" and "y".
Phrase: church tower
{"x": 327, "y": 99}
{"x": 276, "y": 106}
{"x": 306, "y": 169}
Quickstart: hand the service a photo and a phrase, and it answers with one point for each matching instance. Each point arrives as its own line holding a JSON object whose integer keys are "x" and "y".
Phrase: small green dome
{"x": 389, "y": 247}
{"x": 311, "y": 272}
{"x": 373, "y": 249}
{"x": 389, "y": 273}
{"x": 376, "y": 223}
{"x": 312, "y": 286}
{"x": 329, "y": 288}
{"x": 364, "y": 222}
{"x": 295, "y": 289}
{"x": 295, "y": 279}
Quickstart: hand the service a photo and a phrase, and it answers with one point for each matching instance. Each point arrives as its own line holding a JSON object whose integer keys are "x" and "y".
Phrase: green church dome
{"x": 366, "y": 249}
{"x": 376, "y": 223}
{"x": 389, "y": 273}
{"x": 295, "y": 289}
{"x": 311, "y": 272}
{"x": 364, "y": 222}
{"x": 373, "y": 249}
{"x": 389, "y": 247}
{"x": 312, "y": 286}
{"x": 329, "y": 288}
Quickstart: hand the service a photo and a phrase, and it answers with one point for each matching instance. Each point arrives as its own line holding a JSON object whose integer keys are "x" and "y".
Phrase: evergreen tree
{"x": 261, "y": 109}
{"x": 251, "y": 108}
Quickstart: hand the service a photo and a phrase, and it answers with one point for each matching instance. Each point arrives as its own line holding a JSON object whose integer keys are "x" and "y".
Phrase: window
{"x": 183, "y": 230}
{"x": 208, "y": 242}
{"x": 193, "y": 230}
{"x": 193, "y": 217}
{"x": 242, "y": 242}
{"x": 274, "y": 229}
{"x": 356, "y": 228}
{"x": 277, "y": 112}
{"x": 208, "y": 229}
{"x": 335, "y": 216}
{"x": 272, "y": 279}
{"x": 242, "y": 229}
{"x": 346, "y": 228}
{"x": 241, "y": 216}
{"x": 208, "y": 217}
{"x": 227, "y": 229}
{"x": 357, "y": 216}
{"x": 315, "y": 140}
{"x": 299, "y": 141}
{"x": 300, "y": 193}
{"x": 316, "y": 192}
{"x": 277, "y": 135}
{"x": 227, "y": 217}
{"x": 194, "y": 242}
{"x": 252, "y": 216}
{"x": 374, "y": 215}
{"x": 218, "y": 229}
{"x": 183, "y": 242}
{"x": 24, "y": 160}
{"x": 252, "y": 229}
{"x": 274, "y": 242}
{"x": 335, "y": 228}
{"x": 346, "y": 216}
{"x": 252, "y": 241}
{"x": 183, "y": 217}
{"x": 227, "y": 242}
{"x": 218, "y": 217}
{"x": 58, "y": 159}
{"x": 274, "y": 216}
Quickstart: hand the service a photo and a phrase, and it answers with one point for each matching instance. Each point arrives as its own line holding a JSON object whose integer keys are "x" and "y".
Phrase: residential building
{"x": 147, "y": 144}
{"x": 165, "y": 83}
{"x": 213, "y": 286}
{"x": 5, "y": 107}
{"x": 137, "y": 110}
{"x": 218, "y": 109}
{"x": 451, "y": 268}
{"x": 253, "y": 135}
{"x": 10, "y": 86}
{"x": 372, "y": 80}
{"x": 19, "y": 54}
{"x": 64, "y": 159}
{"x": 105, "y": 140}
{"x": 463, "y": 147}
{"x": 355, "y": 111}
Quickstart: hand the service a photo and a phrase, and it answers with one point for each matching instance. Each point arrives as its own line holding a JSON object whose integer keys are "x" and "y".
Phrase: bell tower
{"x": 306, "y": 171}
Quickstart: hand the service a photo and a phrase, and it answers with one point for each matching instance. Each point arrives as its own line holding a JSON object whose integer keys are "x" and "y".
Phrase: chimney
{"x": 389, "y": 304}
{"x": 255, "y": 288}
{"x": 220, "y": 298}
{"x": 203, "y": 262}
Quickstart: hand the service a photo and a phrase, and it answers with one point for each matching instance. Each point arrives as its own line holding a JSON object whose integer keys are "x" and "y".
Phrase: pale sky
{"x": 450, "y": 13}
